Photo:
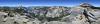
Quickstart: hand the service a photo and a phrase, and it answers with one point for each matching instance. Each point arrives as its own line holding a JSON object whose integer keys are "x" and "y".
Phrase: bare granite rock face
{"x": 16, "y": 19}
{"x": 55, "y": 12}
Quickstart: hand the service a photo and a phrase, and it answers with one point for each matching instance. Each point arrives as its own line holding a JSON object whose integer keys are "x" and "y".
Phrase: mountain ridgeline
{"x": 50, "y": 15}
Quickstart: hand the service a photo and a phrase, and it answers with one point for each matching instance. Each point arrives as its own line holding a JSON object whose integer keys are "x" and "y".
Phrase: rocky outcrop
{"x": 16, "y": 19}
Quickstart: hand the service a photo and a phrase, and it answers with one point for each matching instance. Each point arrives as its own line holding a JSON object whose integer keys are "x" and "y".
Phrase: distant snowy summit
{"x": 86, "y": 5}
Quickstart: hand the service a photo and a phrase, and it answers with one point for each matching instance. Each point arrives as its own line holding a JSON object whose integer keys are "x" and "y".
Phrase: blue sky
{"x": 47, "y": 2}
